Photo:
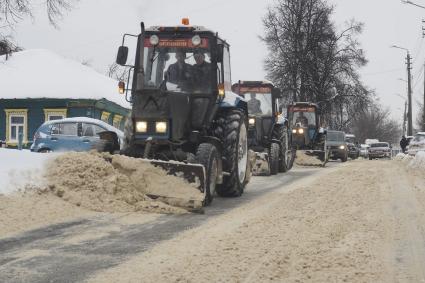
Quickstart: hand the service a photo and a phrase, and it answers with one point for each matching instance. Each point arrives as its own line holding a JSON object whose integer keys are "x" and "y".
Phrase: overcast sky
{"x": 93, "y": 30}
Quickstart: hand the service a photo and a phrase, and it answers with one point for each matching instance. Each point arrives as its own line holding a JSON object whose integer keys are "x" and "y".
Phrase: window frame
{"x": 54, "y": 112}
{"x": 16, "y": 113}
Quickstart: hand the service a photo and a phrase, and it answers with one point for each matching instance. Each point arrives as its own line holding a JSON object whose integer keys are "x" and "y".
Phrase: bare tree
{"x": 313, "y": 61}
{"x": 375, "y": 123}
{"x": 12, "y": 11}
{"x": 7, "y": 47}
{"x": 420, "y": 118}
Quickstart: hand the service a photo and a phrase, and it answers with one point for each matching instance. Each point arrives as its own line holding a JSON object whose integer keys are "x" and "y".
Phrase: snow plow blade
{"x": 193, "y": 173}
{"x": 310, "y": 158}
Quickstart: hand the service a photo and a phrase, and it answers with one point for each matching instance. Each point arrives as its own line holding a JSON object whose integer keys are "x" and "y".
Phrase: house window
{"x": 54, "y": 114}
{"x": 117, "y": 121}
{"x": 16, "y": 124}
{"x": 105, "y": 116}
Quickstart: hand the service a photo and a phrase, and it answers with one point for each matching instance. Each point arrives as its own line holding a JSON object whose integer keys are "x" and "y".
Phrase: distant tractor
{"x": 308, "y": 136}
{"x": 268, "y": 134}
{"x": 185, "y": 117}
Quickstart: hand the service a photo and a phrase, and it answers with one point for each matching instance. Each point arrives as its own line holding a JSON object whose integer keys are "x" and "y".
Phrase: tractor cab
{"x": 307, "y": 134}
{"x": 263, "y": 110}
{"x": 305, "y": 123}
{"x": 268, "y": 132}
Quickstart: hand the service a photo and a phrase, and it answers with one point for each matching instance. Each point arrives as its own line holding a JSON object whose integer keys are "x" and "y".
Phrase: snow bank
{"x": 40, "y": 73}
{"x": 20, "y": 168}
{"x": 413, "y": 162}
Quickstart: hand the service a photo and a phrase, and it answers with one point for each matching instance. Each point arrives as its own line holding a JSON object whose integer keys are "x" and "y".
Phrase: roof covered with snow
{"x": 40, "y": 73}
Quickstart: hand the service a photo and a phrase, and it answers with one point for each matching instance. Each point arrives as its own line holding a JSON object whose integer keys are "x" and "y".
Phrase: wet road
{"x": 44, "y": 255}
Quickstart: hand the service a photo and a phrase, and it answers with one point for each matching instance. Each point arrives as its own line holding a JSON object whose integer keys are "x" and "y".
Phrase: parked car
{"x": 364, "y": 150}
{"x": 338, "y": 149}
{"x": 417, "y": 144}
{"x": 353, "y": 146}
{"x": 73, "y": 134}
{"x": 379, "y": 150}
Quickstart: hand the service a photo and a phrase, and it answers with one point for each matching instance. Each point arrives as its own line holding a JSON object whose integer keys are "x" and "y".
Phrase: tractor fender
{"x": 233, "y": 100}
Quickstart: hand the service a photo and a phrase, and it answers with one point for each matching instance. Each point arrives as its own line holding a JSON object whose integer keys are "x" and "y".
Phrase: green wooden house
{"x": 61, "y": 88}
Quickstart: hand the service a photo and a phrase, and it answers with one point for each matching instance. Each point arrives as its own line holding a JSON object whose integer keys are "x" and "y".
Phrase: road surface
{"x": 362, "y": 221}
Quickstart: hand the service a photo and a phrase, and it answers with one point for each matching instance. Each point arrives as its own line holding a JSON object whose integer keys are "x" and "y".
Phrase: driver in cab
{"x": 301, "y": 119}
{"x": 180, "y": 73}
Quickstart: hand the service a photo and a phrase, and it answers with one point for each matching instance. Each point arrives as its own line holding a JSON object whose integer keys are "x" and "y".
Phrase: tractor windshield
{"x": 174, "y": 64}
{"x": 259, "y": 104}
{"x": 302, "y": 116}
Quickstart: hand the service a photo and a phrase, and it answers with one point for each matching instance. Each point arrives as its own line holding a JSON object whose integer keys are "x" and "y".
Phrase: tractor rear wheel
{"x": 208, "y": 156}
{"x": 231, "y": 129}
{"x": 285, "y": 155}
{"x": 274, "y": 158}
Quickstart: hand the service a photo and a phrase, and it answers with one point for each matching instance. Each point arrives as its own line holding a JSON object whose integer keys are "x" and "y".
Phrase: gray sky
{"x": 93, "y": 31}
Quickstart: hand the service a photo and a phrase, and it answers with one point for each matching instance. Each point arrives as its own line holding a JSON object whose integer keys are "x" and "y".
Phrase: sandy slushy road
{"x": 361, "y": 222}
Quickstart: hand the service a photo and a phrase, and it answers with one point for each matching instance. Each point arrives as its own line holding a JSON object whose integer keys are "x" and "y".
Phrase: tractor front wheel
{"x": 208, "y": 156}
{"x": 274, "y": 158}
{"x": 231, "y": 128}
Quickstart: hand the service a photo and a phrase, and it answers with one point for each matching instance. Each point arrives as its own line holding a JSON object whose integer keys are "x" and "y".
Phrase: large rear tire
{"x": 231, "y": 129}
{"x": 285, "y": 154}
{"x": 274, "y": 158}
{"x": 208, "y": 156}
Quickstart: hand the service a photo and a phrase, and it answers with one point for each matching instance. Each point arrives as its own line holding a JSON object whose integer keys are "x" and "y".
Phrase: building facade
{"x": 26, "y": 115}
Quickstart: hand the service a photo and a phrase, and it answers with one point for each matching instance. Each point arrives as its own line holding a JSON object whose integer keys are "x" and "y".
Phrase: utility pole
{"x": 409, "y": 96}
{"x": 404, "y": 117}
{"x": 423, "y": 108}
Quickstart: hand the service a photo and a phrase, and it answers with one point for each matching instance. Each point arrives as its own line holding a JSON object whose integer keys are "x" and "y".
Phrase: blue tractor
{"x": 185, "y": 117}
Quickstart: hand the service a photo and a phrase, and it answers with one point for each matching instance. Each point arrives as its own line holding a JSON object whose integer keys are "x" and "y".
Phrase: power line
{"x": 383, "y": 72}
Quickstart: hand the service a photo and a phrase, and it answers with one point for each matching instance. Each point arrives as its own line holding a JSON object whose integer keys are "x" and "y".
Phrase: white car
{"x": 417, "y": 144}
{"x": 364, "y": 150}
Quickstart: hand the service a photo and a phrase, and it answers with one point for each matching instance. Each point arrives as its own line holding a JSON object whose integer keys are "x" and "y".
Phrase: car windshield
{"x": 175, "y": 65}
{"x": 419, "y": 138}
{"x": 335, "y": 136}
{"x": 259, "y": 104}
{"x": 381, "y": 144}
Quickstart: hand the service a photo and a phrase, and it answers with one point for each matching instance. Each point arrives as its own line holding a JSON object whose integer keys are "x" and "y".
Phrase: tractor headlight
{"x": 141, "y": 126}
{"x": 301, "y": 131}
{"x": 161, "y": 127}
{"x": 154, "y": 40}
{"x": 251, "y": 121}
{"x": 196, "y": 40}
{"x": 342, "y": 147}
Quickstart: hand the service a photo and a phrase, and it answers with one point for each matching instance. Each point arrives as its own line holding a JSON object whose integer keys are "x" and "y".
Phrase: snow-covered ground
{"x": 19, "y": 168}
{"x": 413, "y": 162}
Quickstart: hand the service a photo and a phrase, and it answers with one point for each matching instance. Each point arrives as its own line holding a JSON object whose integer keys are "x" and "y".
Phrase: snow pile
{"x": 400, "y": 157}
{"x": 20, "y": 168}
{"x": 413, "y": 162}
{"x": 303, "y": 159}
{"x": 40, "y": 73}
{"x": 419, "y": 161}
{"x": 115, "y": 183}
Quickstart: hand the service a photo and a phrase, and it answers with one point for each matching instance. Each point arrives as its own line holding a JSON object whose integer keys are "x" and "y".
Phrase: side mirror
{"x": 122, "y": 55}
{"x": 276, "y": 93}
{"x": 220, "y": 52}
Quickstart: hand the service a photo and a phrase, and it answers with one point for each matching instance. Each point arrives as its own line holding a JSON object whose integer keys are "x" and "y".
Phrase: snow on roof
{"x": 40, "y": 73}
